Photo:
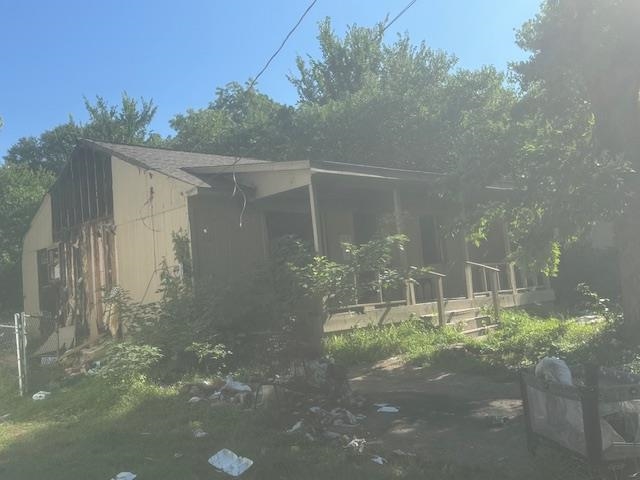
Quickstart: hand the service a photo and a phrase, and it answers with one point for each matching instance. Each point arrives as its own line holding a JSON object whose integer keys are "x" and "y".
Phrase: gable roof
{"x": 168, "y": 162}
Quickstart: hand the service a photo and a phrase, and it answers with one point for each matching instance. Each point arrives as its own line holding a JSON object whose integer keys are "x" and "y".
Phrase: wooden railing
{"x": 439, "y": 277}
{"x": 494, "y": 280}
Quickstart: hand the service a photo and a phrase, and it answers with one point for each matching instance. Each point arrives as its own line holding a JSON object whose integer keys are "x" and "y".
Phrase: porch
{"x": 328, "y": 204}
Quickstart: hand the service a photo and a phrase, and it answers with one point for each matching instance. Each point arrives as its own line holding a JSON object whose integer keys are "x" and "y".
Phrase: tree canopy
{"x": 127, "y": 123}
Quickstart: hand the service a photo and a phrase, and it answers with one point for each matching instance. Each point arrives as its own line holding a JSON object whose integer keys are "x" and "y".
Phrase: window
{"x": 432, "y": 251}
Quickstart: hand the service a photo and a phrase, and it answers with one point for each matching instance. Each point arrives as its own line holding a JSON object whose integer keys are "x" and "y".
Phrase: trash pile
{"x": 229, "y": 391}
{"x": 318, "y": 423}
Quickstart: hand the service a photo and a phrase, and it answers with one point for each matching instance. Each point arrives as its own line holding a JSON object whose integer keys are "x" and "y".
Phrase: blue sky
{"x": 178, "y": 52}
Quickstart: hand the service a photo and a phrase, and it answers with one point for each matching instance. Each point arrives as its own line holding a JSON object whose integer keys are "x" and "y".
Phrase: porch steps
{"x": 470, "y": 320}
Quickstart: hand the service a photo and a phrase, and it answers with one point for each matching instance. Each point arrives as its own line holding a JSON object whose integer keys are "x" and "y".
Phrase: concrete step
{"x": 478, "y": 321}
{"x": 480, "y": 331}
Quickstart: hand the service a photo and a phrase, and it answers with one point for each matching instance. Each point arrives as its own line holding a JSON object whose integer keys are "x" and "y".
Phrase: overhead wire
{"x": 407, "y": 7}
{"x": 237, "y": 188}
{"x": 275, "y": 54}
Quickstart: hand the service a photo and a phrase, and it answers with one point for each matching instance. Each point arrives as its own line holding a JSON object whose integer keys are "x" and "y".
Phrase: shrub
{"x": 127, "y": 361}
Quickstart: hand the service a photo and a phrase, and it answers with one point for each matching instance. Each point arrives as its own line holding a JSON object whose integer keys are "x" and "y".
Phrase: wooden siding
{"x": 39, "y": 236}
{"x": 148, "y": 208}
{"x": 222, "y": 249}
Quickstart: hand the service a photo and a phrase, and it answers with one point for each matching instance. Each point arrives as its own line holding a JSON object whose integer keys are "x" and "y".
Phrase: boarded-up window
{"x": 432, "y": 249}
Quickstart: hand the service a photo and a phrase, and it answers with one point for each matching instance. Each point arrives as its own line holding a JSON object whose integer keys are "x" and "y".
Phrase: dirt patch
{"x": 451, "y": 417}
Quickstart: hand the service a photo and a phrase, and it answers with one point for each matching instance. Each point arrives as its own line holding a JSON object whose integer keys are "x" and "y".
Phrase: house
{"x": 112, "y": 216}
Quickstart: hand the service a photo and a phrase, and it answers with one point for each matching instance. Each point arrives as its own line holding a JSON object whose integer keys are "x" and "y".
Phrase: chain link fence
{"x": 29, "y": 345}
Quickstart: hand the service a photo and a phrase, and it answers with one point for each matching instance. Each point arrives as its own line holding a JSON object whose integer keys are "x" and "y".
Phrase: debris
{"x": 124, "y": 476}
{"x": 230, "y": 463}
{"x": 378, "y": 459}
{"x": 199, "y": 433}
{"x": 194, "y": 400}
{"x": 309, "y": 437}
{"x": 178, "y": 455}
{"x": 41, "y": 395}
{"x": 296, "y": 427}
{"x": 388, "y": 409}
{"x": 5, "y": 417}
{"x": 234, "y": 386}
{"x": 145, "y": 433}
{"x": 553, "y": 369}
{"x": 356, "y": 445}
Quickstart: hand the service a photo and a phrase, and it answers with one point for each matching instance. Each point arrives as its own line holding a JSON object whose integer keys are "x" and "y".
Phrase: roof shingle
{"x": 169, "y": 162}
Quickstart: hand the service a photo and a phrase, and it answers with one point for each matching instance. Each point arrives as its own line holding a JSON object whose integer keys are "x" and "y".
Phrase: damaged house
{"x": 111, "y": 217}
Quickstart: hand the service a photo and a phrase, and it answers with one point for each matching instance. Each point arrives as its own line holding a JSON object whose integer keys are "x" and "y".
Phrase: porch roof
{"x": 318, "y": 167}
{"x": 266, "y": 179}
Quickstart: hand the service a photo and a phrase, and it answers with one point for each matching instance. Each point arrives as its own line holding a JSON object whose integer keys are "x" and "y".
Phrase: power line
{"x": 409, "y": 5}
{"x": 275, "y": 54}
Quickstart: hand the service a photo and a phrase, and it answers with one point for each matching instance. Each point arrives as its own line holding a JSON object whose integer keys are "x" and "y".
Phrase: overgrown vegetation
{"x": 218, "y": 328}
{"x": 520, "y": 340}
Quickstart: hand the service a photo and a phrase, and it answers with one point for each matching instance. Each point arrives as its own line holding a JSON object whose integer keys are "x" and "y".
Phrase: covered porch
{"x": 330, "y": 204}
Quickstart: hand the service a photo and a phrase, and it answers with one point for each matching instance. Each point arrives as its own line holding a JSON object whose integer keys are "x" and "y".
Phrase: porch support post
{"x": 468, "y": 272}
{"x": 511, "y": 267}
{"x": 315, "y": 219}
{"x": 410, "y": 294}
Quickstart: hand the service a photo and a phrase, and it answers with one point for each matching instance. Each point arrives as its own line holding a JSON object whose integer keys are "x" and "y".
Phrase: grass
{"x": 521, "y": 340}
{"x": 93, "y": 430}
{"x": 411, "y": 339}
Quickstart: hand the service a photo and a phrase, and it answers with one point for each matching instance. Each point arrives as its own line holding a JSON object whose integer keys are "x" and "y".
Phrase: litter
{"x": 553, "y": 369}
{"x": 236, "y": 386}
{"x": 378, "y": 459}
{"x": 124, "y": 476}
{"x": 5, "y": 417}
{"x": 230, "y": 463}
{"x": 296, "y": 427}
{"x": 388, "y": 409}
{"x": 194, "y": 400}
{"x": 41, "y": 395}
{"x": 357, "y": 445}
{"x": 199, "y": 433}
{"x": 178, "y": 455}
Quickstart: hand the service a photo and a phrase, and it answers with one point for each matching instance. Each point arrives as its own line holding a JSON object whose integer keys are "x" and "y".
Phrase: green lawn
{"x": 92, "y": 430}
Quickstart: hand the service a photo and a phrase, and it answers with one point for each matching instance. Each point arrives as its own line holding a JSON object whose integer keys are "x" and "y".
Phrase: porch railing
{"x": 494, "y": 282}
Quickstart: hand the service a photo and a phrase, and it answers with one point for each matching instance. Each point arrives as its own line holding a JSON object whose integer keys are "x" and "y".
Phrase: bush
{"x": 126, "y": 362}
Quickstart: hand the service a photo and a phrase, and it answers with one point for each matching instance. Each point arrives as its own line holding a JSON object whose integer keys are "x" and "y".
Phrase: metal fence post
{"x": 17, "y": 322}
{"x": 25, "y": 359}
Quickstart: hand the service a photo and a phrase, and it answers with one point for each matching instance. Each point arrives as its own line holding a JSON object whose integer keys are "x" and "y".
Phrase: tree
{"x": 238, "y": 122}
{"x": 127, "y": 123}
{"x": 581, "y": 101}
{"x": 21, "y": 191}
{"x": 364, "y": 101}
